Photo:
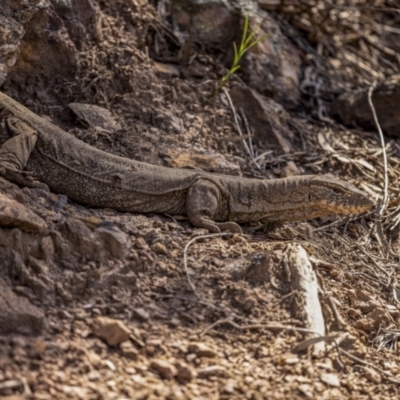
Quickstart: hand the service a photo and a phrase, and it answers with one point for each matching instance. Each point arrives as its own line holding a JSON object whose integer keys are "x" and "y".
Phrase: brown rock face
{"x": 268, "y": 119}
{"x": 272, "y": 67}
{"x": 353, "y": 108}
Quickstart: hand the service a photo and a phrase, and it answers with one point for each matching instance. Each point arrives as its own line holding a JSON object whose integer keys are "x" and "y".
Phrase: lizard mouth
{"x": 338, "y": 197}
{"x": 357, "y": 206}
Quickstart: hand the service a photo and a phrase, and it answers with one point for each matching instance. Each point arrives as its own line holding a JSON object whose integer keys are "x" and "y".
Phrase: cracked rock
{"x": 15, "y": 215}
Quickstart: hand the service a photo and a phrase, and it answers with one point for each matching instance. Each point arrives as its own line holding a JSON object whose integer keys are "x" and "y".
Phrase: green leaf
{"x": 247, "y": 42}
{"x": 236, "y": 54}
{"x": 245, "y": 27}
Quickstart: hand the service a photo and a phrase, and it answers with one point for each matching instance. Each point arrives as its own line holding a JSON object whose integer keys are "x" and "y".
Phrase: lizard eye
{"x": 337, "y": 190}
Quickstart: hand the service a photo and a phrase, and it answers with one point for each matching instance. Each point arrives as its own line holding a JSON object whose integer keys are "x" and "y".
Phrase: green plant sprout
{"x": 246, "y": 44}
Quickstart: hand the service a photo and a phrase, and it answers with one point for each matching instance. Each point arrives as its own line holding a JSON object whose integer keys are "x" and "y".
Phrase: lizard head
{"x": 334, "y": 196}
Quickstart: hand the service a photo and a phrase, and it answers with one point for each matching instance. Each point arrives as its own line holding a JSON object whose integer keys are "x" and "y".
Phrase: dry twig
{"x": 381, "y": 206}
{"x": 214, "y": 235}
{"x": 272, "y": 326}
{"x": 235, "y": 116}
{"x": 385, "y": 194}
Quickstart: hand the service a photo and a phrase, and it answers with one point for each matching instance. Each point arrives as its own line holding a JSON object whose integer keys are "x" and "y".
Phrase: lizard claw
{"x": 230, "y": 227}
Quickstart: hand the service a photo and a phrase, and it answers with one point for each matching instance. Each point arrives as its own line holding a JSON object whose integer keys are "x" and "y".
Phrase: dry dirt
{"x": 111, "y": 311}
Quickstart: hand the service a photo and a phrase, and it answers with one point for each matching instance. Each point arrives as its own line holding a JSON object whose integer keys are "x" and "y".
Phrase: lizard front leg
{"x": 15, "y": 152}
{"x": 201, "y": 205}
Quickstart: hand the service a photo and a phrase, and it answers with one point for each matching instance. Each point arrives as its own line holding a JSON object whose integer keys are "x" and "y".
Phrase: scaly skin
{"x": 212, "y": 201}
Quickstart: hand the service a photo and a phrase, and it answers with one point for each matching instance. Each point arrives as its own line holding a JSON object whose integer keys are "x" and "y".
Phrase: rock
{"x": 372, "y": 321}
{"x": 259, "y": 268}
{"x": 83, "y": 240}
{"x": 307, "y": 390}
{"x": 372, "y": 375}
{"x": 166, "y": 70}
{"x": 362, "y": 300}
{"x": 213, "y": 23}
{"x": 110, "y": 365}
{"x": 266, "y": 118}
{"x": 269, "y": 5}
{"x": 128, "y": 350}
{"x": 141, "y": 244}
{"x": 164, "y": 368}
{"x": 353, "y": 108}
{"x": 12, "y": 384}
{"x": 112, "y": 331}
{"x": 202, "y": 350}
{"x": 93, "y": 358}
{"x": 113, "y": 241}
{"x": 214, "y": 370}
{"x": 230, "y": 386}
{"x": 290, "y": 169}
{"x": 141, "y": 314}
{"x": 330, "y": 379}
{"x": 93, "y": 375}
{"x": 75, "y": 391}
{"x": 272, "y": 66}
{"x": 15, "y": 215}
{"x": 159, "y": 248}
{"x": 287, "y": 359}
{"x": 17, "y": 314}
{"x": 185, "y": 374}
{"x": 206, "y": 160}
{"x": 98, "y": 117}
{"x": 255, "y": 266}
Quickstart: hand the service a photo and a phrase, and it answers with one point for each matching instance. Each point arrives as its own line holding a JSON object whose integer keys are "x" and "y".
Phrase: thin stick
{"x": 385, "y": 194}
{"x": 368, "y": 364}
{"x": 185, "y": 256}
{"x": 257, "y": 326}
{"x": 246, "y": 124}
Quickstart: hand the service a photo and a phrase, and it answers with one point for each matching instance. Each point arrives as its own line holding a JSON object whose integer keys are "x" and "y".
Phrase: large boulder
{"x": 272, "y": 67}
{"x": 267, "y": 119}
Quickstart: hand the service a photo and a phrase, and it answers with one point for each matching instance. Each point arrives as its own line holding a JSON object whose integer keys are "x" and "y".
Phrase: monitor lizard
{"x": 212, "y": 201}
